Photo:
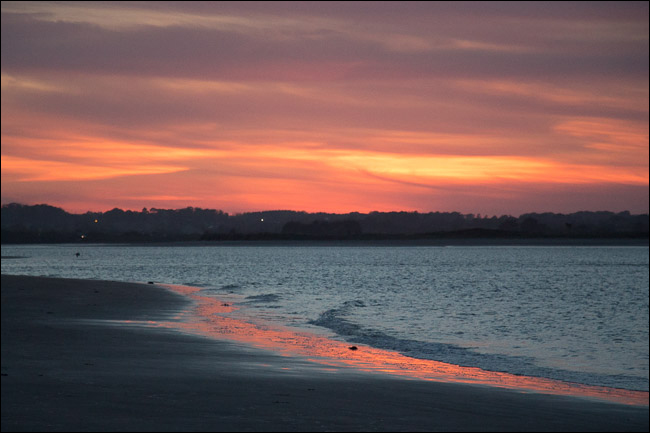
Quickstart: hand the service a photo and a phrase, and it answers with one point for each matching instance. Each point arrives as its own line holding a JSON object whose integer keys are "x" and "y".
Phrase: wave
{"x": 335, "y": 320}
{"x": 194, "y": 284}
{"x": 216, "y": 291}
{"x": 264, "y": 298}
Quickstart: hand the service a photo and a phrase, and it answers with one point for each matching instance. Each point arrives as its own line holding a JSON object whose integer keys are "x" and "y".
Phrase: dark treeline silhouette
{"x": 48, "y": 224}
{"x": 323, "y": 229}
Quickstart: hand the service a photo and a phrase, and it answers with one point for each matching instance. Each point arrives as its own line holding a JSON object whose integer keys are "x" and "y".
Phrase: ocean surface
{"x": 576, "y": 314}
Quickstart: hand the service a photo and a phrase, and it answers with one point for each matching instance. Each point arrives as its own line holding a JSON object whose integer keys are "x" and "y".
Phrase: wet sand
{"x": 70, "y": 363}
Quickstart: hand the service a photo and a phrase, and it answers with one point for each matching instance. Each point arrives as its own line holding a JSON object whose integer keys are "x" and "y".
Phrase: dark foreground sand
{"x": 66, "y": 367}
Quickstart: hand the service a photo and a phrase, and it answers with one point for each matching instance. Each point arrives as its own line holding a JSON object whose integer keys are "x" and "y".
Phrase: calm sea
{"x": 578, "y": 314}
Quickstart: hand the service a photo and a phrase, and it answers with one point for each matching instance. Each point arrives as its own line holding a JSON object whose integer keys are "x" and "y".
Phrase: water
{"x": 578, "y": 314}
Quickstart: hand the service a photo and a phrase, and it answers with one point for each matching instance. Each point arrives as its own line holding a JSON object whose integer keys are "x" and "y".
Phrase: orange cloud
{"x": 88, "y": 158}
{"x": 31, "y": 170}
{"x": 610, "y": 135}
{"x": 290, "y": 171}
{"x": 486, "y": 169}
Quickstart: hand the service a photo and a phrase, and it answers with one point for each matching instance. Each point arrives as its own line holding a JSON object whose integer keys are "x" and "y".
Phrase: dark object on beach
{"x": 77, "y": 254}
{"x": 225, "y": 305}
{"x": 150, "y": 282}
{"x": 353, "y": 348}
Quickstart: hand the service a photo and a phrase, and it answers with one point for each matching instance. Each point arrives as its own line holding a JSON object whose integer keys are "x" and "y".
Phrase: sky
{"x": 477, "y": 107}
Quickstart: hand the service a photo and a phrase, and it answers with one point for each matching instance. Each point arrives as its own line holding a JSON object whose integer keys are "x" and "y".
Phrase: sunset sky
{"x": 491, "y": 108}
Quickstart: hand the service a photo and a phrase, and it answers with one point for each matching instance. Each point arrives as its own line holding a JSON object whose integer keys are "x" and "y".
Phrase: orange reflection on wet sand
{"x": 209, "y": 318}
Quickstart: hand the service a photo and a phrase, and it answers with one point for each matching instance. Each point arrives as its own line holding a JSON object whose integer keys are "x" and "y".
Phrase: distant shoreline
{"x": 48, "y": 224}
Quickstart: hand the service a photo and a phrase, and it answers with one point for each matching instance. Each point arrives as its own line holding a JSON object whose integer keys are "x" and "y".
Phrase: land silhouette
{"x": 48, "y": 224}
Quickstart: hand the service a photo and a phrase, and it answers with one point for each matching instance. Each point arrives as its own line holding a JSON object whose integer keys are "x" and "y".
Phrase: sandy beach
{"x": 70, "y": 362}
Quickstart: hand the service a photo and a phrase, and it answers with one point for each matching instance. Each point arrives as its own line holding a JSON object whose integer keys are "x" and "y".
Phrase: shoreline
{"x": 209, "y": 317}
{"x": 67, "y": 366}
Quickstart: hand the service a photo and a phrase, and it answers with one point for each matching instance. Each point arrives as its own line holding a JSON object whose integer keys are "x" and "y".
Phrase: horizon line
{"x": 475, "y": 214}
